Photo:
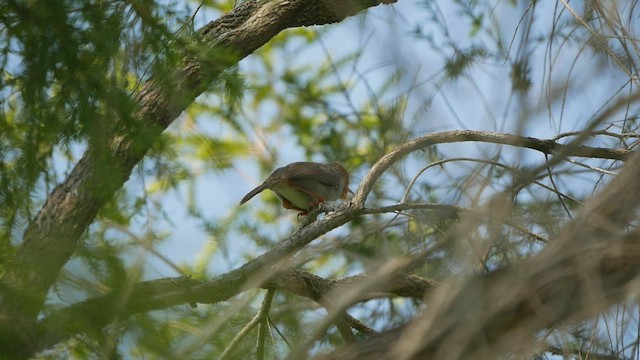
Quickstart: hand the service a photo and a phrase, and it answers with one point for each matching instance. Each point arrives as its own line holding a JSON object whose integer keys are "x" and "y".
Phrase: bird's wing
{"x": 302, "y": 175}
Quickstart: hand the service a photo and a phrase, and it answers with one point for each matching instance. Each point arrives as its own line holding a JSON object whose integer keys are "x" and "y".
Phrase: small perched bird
{"x": 304, "y": 185}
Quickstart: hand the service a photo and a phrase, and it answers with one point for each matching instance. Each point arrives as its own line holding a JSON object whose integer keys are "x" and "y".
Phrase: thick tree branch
{"x": 51, "y": 237}
{"x": 93, "y": 314}
{"x": 305, "y": 284}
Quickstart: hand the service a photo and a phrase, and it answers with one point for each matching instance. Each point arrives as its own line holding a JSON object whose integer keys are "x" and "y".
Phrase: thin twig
{"x": 263, "y": 329}
{"x": 256, "y": 320}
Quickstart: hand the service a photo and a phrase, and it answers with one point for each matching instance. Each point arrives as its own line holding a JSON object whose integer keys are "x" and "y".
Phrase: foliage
{"x": 350, "y": 92}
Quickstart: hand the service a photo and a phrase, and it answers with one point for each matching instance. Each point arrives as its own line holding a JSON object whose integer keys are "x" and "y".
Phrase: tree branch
{"x": 93, "y": 314}
{"x": 544, "y": 146}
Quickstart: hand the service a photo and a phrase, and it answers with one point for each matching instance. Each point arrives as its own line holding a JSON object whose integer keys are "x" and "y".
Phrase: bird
{"x": 304, "y": 185}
